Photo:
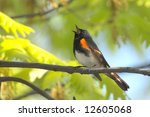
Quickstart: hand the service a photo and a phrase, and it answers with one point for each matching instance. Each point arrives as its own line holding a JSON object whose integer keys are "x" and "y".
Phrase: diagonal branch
{"x": 70, "y": 69}
{"x": 39, "y": 91}
{"x": 35, "y": 14}
{"x": 31, "y": 15}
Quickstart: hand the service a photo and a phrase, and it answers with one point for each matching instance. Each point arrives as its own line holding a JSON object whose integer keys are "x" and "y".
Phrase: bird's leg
{"x": 96, "y": 74}
{"x": 79, "y": 66}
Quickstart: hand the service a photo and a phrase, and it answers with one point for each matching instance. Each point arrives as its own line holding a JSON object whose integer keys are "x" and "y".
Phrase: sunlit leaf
{"x": 13, "y": 27}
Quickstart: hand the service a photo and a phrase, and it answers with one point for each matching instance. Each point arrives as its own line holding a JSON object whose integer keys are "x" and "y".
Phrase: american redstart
{"x": 87, "y": 53}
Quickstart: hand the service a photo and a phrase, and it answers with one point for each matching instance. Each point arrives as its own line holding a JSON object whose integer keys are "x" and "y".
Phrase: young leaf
{"x": 13, "y": 27}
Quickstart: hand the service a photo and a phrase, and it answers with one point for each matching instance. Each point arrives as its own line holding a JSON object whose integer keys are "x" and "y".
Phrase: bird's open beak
{"x": 77, "y": 30}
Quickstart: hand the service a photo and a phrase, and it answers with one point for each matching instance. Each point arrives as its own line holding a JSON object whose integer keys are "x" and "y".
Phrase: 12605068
{"x": 108, "y": 109}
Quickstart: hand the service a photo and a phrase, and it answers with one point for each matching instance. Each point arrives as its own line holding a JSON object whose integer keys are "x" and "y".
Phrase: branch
{"x": 70, "y": 69}
{"x": 40, "y": 13}
{"x": 39, "y": 91}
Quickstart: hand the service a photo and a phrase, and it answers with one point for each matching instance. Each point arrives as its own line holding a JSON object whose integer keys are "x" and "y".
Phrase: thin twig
{"x": 31, "y": 15}
{"x": 35, "y": 14}
{"x": 39, "y": 91}
{"x": 70, "y": 69}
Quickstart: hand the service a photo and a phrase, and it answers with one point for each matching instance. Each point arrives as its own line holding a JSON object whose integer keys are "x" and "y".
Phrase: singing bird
{"x": 87, "y": 53}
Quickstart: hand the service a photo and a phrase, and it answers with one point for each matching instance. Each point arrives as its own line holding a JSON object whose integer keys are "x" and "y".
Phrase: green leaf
{"x": 83, "y": 87}
{"x": 13, "y": 27}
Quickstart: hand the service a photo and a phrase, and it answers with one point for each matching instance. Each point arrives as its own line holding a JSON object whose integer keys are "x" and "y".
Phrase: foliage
{"x": 119, "y": 21}
{"x": 13, "y": 47}
{"x": 10, "y": 26}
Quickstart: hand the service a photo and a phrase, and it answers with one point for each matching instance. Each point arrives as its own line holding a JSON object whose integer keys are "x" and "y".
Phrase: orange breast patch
{"x": 84, "y": 43}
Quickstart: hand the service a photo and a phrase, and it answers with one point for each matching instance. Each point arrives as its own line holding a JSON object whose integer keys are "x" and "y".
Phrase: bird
{"x": 88, "y": 54}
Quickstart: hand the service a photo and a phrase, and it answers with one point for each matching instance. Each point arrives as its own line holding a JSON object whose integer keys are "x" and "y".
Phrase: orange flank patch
{"x": 84, "y": 43}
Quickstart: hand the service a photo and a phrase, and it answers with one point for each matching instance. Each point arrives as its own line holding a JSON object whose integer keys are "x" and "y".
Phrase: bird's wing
{"x": 97, "y": 53}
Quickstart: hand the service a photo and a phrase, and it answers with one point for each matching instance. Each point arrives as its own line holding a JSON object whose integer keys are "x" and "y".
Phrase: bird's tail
{"x": 121, "y": 83}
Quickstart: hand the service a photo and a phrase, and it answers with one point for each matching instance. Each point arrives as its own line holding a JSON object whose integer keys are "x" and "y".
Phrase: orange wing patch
{"x": 84, "y": 43}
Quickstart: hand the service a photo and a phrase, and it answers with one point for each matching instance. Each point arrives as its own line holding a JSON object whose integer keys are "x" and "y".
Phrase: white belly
{"x": 88, "y": 61}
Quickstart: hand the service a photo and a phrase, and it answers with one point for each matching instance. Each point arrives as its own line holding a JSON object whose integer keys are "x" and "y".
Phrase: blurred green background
{"x": 121, "y": 29}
